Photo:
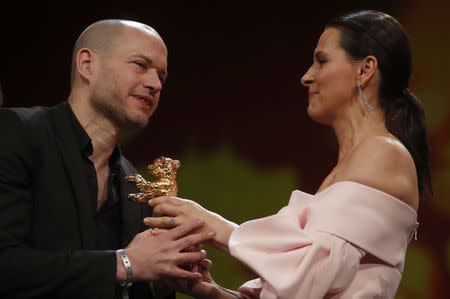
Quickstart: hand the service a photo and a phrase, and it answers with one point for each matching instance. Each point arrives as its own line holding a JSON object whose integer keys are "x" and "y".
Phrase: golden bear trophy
{"x": 164, "y": 170}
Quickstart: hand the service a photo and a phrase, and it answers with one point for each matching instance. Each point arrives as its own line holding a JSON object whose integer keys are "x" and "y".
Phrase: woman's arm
{"x": 183, "y": 210}
{"x": 206, "y": 287}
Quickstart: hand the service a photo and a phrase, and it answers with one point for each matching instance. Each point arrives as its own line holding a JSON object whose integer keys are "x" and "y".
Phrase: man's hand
{"x": 153, "y": 257}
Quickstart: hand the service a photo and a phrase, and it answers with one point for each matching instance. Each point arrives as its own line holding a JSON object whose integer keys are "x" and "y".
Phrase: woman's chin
{"x": 316, "y": 116}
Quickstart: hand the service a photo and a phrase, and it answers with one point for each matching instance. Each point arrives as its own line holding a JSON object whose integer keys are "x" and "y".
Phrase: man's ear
{"x": 85, "y": 59}
{"x": 366, "y": 70}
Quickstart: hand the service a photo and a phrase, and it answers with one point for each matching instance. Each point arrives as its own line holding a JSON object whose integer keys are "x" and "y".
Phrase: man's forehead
{"x": 141, "y": 41}
{"x": 141, "y": 36}
{"x": 141, "y": 27}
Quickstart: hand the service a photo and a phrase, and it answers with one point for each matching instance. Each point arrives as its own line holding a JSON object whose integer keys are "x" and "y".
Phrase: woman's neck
{"x": 354, "y": 127}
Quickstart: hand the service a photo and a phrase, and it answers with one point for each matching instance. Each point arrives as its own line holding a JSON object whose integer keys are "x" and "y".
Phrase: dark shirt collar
{"x": 114, "y": 159}
{"x": 85, "y": 142}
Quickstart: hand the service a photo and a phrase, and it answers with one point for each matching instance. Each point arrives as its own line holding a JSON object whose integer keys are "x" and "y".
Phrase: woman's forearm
{"x": 223, "y": 229}
{"x": 229, "y": 294}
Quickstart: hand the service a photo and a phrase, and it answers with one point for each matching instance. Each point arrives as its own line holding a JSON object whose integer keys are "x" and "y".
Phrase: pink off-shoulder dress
{"x": 347, "y": 241}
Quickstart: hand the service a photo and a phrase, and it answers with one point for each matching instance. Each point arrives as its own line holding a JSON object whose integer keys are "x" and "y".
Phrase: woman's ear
{"x": 367, "y": 68}
{"x": 85, "y": 59}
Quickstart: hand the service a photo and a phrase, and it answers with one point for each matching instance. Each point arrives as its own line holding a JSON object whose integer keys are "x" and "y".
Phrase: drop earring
{"x": 362, "y": 96}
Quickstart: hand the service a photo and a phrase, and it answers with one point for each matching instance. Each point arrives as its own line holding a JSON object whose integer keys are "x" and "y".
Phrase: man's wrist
{"x": 120, "y": 273}
{"x": 128, "y": 279}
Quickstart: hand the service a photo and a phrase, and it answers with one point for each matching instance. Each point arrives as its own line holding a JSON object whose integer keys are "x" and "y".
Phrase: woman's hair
{"x": 369, "y": 32}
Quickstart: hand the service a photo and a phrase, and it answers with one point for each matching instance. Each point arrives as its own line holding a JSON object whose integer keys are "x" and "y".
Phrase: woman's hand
{"x": 204, "y": 288}
{"x": 177, "y": 211}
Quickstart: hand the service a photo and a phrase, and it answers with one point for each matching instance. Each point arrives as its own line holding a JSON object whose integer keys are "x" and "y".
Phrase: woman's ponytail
{"x": 405, "y": 119}
{"x": 369, "y": 32}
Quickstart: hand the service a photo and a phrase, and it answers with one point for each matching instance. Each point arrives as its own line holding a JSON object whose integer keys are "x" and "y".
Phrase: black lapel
{"x": 70, "y": 153}
{"x": 132, "y": 213}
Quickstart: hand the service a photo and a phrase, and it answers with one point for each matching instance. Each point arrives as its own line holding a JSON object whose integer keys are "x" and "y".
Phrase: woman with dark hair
{"x": 349, "y": 239}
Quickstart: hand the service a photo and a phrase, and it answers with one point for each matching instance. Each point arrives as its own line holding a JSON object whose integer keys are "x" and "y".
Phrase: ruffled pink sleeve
{"x": 296, "y": 254}
{"x": 294, "y": 262}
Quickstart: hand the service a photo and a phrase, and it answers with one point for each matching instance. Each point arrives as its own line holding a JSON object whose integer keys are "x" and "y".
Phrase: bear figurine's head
{"x": 164, "y": 167}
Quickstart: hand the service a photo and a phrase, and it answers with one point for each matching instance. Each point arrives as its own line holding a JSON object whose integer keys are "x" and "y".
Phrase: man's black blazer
{"x": 46, "y": 222}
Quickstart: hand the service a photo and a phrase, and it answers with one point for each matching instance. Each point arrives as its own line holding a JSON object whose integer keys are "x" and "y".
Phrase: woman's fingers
{"x": 154, "y": 232}
{"x": 166, "y": 222}
{"x": 205, "y": 265}
{"x": 172, "y": 200}
{"x": 183, "y": 236}
{"x": 176, "y": 233}
{"x": 188, "y": 258}
{"x": 181, "y": 273}
{"x": 196, "y": 247}
{"x": 182, "y": 230}
{"x": 166, "y": 209}
{"x": 170, "y": 205}
{"x": 194, "y": 239}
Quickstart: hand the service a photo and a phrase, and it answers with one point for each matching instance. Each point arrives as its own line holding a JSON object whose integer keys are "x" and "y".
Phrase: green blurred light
{"x": 417, "y": 274}
{"x": 224, "y": 183}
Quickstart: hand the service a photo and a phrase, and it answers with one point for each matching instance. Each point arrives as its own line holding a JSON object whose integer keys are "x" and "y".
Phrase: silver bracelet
{"x": 126, "y": 263}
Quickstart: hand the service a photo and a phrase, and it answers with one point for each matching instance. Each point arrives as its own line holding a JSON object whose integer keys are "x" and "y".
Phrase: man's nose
{"x": 152, "y": 81}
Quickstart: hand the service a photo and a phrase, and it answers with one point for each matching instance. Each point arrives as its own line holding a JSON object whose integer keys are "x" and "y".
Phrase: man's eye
{"x": 321, "y": 61}
{"x": 141, "y": 64}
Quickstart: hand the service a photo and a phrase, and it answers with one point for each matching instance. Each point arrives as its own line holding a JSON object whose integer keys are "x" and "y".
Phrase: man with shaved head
{"x": 67, "y": 229}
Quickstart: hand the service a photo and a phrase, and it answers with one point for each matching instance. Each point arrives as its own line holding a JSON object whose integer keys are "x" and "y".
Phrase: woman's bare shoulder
{"x": 384, "y": 163}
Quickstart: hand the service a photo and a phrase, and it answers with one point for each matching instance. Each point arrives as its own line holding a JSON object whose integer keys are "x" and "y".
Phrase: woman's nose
{"x": 307, "y": 78}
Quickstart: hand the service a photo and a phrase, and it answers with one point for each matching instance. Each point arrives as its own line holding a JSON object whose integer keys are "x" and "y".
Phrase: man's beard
{"x": 109, "y": 105}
